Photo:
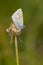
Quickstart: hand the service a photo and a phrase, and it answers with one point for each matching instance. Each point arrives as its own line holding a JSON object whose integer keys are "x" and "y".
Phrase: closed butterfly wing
{"x": 17, "y": 18}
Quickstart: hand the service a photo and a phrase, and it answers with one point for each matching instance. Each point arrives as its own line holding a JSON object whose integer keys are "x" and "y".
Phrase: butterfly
{"x": 17, "y": 26}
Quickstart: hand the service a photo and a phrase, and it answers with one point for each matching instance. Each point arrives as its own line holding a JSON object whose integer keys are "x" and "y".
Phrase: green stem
{"x": 16, "y": 48}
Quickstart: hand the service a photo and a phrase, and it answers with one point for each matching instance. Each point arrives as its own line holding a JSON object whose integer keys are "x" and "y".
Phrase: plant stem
{"x": 16, "y": 48}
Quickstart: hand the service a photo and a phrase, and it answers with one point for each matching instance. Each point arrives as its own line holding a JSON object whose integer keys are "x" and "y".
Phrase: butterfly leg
{"x": 11, "y": 40}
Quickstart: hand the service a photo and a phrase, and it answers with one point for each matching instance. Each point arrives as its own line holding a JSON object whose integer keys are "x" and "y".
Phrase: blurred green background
{"x": 31, "y": 50}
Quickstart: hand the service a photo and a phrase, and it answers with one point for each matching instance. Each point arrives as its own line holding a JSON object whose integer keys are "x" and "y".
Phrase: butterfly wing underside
{"x": 17, "y": 18}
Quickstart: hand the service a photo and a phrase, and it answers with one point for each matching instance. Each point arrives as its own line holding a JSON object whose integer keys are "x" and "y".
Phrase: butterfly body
{"x": 17, "y": 26}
